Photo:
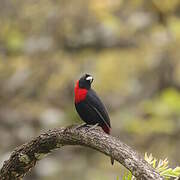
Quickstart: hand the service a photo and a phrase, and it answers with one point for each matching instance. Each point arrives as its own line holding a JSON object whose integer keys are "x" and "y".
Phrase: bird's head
{"x": 85, "y": 81}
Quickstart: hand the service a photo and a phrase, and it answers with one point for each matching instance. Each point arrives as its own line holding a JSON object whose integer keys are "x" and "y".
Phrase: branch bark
{"x": 24, "y": 158}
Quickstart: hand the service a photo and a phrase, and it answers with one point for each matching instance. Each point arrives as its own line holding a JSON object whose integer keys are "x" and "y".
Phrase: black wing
{"x": 96, "y": 104}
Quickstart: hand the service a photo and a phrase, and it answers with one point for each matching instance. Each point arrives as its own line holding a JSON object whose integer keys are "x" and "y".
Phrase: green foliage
{"x": 161, "y": 166}
{"x": 128, "y": 176}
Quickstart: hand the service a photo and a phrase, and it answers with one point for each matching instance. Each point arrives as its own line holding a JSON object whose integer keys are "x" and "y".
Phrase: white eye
{"x": 89, "y": 78}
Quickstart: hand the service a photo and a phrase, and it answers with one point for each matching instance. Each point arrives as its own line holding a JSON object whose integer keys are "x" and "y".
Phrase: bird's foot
{"x": 93, "y": 127}
{"x": 90, "y": 127}
{"x": 81, "y": 125}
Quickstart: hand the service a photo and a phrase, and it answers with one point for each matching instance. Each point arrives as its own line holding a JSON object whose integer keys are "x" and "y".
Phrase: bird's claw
{"x": 92, "y": 127}
{"x": 81, "y": 125}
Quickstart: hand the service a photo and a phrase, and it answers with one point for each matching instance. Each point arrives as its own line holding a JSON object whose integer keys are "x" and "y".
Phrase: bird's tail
{"x": 106, "y": 129}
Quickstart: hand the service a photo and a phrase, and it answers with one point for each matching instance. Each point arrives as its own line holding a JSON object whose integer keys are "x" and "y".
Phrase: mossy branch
{"x": 24, "y": 158}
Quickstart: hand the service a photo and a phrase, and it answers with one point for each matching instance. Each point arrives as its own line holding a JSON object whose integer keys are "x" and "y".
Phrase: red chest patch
{"x": 80, "y": 94}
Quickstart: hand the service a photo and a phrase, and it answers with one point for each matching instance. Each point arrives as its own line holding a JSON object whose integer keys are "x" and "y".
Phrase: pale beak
{"x": 89, "y": 78}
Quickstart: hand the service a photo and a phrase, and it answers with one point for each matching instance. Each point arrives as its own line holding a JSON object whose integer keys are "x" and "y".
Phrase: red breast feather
{"x": 80, "y": 94}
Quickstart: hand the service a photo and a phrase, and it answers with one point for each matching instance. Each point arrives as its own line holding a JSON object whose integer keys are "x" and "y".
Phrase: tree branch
{"x": 24, "y": 158}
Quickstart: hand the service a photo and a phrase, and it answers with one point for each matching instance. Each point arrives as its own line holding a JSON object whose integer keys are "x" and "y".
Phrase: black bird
{"x": 89, "y": 106}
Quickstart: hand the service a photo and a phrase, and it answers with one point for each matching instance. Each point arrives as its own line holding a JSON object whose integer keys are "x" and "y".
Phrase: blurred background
{"x": 132, "y": 49}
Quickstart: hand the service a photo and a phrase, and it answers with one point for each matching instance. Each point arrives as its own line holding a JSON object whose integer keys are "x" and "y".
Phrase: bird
{"x": 89, "y": 106}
